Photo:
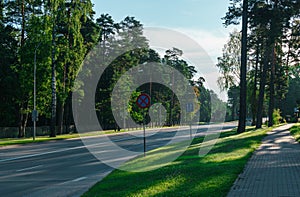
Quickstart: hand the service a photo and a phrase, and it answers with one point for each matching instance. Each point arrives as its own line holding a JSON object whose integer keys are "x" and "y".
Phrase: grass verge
{"x": 16, "y": 141}
{"x": 295, "y": 131}
{"x": 189, "y": 175}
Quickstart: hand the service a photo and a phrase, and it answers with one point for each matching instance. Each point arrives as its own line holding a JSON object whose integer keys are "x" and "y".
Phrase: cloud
{"x": 211, "y": 41}
{"x": 201, "y": 49}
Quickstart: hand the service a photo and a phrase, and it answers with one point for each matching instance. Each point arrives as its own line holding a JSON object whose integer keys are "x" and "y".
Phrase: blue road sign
{"x": 189, "y": 107}
{"x": 143, "y": 101}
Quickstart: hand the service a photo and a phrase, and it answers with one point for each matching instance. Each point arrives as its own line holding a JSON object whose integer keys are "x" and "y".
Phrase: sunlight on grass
{"x": 189, "y": 175}
{"x": 295, "y": 131}
{"x": 169, "y": 183}
{"x": 155, "y": 159}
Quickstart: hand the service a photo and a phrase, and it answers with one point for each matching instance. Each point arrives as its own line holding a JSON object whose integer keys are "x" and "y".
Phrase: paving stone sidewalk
{"x": 273, "y": 170}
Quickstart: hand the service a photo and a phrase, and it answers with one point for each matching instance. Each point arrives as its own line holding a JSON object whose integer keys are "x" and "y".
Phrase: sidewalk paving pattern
{"x": 273, "y": 170}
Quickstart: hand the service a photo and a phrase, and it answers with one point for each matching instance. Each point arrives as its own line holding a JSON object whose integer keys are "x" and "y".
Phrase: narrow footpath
{"x": 273, "y": 170}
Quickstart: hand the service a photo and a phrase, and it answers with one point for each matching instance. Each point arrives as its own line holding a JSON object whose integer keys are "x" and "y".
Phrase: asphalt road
{"x": 67, "y": 168}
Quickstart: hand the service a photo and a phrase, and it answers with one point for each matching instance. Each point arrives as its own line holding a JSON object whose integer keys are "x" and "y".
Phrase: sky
{"x": 198, "y": 19}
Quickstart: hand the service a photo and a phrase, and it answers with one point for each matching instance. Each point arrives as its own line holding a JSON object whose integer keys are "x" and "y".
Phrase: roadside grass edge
{"x": 189, "y": 175}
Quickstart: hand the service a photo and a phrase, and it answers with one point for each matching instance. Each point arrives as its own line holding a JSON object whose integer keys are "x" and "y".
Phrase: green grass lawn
{"x": 189, "y": 175}
{"x": 295, "y": 131}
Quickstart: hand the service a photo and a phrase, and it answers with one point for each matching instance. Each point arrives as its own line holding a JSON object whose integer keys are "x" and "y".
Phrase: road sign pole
{"x": 191, "y": 131}
{"x": 189, "y": 110}
{"x": 144, "y": 101}
{"x": 144, "y": 129}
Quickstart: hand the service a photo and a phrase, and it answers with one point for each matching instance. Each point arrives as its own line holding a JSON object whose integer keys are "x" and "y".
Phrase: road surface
{"x": 66, "y": 168}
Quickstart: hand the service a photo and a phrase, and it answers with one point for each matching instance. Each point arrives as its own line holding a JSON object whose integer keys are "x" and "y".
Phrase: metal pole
{"x": 34, "y": 94}
{"x": 144, "y": 129}
{"x": 150, "y": 90}
{"x": 160, "y": 115}
{"x": 172, "y": 100}
{"x": 191, "y": 137}
{"x": 124, "y": 115}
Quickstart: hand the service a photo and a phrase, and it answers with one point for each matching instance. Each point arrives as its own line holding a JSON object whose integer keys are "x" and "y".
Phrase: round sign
{"x": 143, "y": 101}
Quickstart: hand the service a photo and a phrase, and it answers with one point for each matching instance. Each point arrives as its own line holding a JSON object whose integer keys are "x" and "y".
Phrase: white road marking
{"x": 79, "y": 179}
{"x": 73, "y": 181}
{"x": 30, "y": 168}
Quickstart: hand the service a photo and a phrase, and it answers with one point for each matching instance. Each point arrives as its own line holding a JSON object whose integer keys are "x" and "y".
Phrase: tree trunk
{"x": 53, "y": 80}
{"x": 60, "y": 117}
{"x": 262, "y": 88}
{"x": 21, "y": 130}
{"x": 21, "y": 115}
{"x": 254, "y": 99}
{"x": 272, "y": 91}
{"x": 23, "y": 24}
{"x": 53, "y": 87}
{"x": 233, "y": 112}
{"x": 25, "y": 123}
{"x": 273, "y": 36}
{"x": 61, "y": 105}
{"x": 243, "y": 82}
{"x": 23, "y": 118}
{"x": 67, "y": 116}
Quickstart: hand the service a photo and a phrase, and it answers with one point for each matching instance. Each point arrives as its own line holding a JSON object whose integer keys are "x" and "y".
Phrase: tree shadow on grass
{"x": 189, "y": 175}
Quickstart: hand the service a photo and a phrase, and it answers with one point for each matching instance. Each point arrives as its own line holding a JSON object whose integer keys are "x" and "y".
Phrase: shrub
{"x": 277, "y": 119}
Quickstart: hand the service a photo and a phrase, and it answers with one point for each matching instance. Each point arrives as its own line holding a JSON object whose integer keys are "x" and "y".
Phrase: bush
{"x": 277, "y": 119}
{"x": 291, "y": 119}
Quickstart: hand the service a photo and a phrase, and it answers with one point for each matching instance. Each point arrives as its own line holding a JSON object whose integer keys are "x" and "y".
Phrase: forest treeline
{"x": 273, "y": 60}
{"x": 58, "y": 35}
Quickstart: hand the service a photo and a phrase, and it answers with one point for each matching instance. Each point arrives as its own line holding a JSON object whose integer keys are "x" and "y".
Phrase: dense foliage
{"x": 61, "y": 34}
{"x": 273, "y": 57}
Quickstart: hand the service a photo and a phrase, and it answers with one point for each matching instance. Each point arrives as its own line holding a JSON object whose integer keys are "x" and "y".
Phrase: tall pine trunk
{"x": 60, "y": 117}
{"x": 68, "y": 113}
{"x": 61, "y": 104}
{"x": 273, "y": 35}
{"x": 254, "y": 95}
{"x": 53, "y": 75}
{"x": 53, "y": 92}
{"x": 20, "y": 124}
{"x": 243, "y": 82}
{"x": 233, "y": 112}
{"x": 263, "y": 79}
{"x": 22, "y": 116}
{"x": 272, "y": 90}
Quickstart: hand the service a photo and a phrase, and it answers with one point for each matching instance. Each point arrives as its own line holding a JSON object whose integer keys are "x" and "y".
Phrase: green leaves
{"x": 229, "y": 63}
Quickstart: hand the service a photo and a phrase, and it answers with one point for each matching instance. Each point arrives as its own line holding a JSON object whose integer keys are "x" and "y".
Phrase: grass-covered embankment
{"x": 189, "y": 175}
{"x": 295, "y": 131}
